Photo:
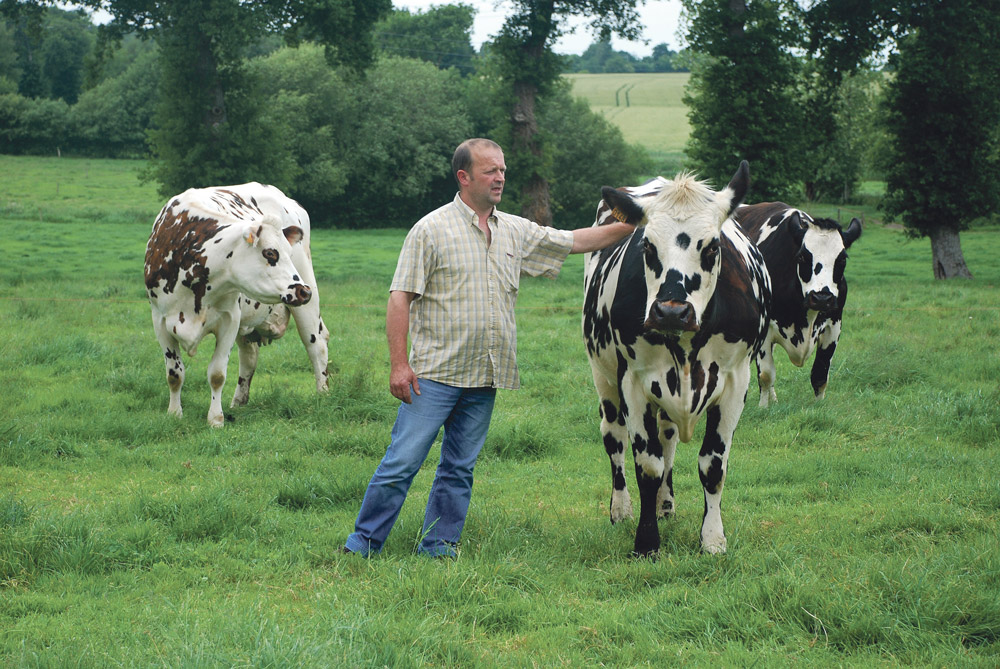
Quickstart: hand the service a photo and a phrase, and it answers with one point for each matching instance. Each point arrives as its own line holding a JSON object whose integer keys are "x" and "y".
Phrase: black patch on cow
{"x": 805, "y": 262}
{"x": 710, "y": 255}
{"x": 692, "y": 283}
{"x": 839, "y": 267}
{"x": 629, "y": 296}
{"x": 683, "y": 241}
{"x": 655, "y": 389}
{"x": 230, "y": 254}
{"x": 673, "y": 386}
{"x": 652, "y": 258}
{"x": 714, "y": 446}
{"x": 673, "y": 287}
{"x": 312, "y": 339}
{"x": 609, "y": 412}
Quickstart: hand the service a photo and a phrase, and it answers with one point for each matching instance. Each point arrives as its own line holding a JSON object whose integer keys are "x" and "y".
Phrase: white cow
{"x": 232, "y": 261}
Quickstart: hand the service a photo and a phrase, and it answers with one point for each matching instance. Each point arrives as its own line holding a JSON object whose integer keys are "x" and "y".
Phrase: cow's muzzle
{"x": 672, "y": 316}
{"x": 822, "y": 300}
{"x": 300, "y": 294}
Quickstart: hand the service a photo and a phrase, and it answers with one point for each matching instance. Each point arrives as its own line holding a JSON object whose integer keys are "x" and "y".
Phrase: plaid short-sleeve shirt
{"x": 462, "y": 329}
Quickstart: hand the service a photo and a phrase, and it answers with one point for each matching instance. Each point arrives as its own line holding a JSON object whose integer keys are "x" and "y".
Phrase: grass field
{"x": 862, "y": 529}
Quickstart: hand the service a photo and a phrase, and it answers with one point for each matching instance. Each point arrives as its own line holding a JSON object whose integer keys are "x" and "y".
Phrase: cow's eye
{"x": 270, "y": 255}
{"x": 710, "y": 251}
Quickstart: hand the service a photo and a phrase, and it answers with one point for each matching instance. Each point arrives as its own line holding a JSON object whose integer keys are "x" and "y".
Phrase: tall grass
{"x": 862, "y": 528}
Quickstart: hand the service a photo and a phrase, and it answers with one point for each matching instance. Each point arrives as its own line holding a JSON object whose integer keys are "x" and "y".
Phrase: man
{"x": 454, "y": 291}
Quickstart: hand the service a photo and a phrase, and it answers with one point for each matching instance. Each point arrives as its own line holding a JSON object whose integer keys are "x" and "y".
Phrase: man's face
{"x": 483, "y": 183}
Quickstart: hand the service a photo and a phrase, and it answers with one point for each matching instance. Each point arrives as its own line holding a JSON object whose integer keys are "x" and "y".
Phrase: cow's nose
{"x": 300, "y": 295}
{"x": 672, "y": 315}
{"x": 820, "y": 300}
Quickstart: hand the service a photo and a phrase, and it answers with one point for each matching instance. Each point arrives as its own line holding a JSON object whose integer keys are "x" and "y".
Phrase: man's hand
{"x": 400, "y": 379}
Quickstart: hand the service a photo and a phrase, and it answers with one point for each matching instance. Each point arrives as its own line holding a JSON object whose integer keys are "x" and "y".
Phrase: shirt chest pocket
{"x": 507, "y": 264}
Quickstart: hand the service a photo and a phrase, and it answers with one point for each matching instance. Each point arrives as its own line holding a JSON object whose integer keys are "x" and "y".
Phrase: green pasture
{"x": 862, "y": 529}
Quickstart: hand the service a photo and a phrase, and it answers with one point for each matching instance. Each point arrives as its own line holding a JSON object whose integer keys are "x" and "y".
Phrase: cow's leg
{"x": 766, "y": 373}
{"x": 826, "y": 347}
{"x": 314, "y": 335}
{"x": 668, "y": 438}
{"x": 648, "y": 453}
{"x": 225, "y": 337}
{"x": 312, "y": 329}
{"x": 248, "y": 352}
{"x": 615, "y": 437}
{"x": 714, "y": 457}
{"x": 174, "y": 364}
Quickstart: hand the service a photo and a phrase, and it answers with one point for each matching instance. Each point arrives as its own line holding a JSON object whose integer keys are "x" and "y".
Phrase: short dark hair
{"x": 462, "y": 160}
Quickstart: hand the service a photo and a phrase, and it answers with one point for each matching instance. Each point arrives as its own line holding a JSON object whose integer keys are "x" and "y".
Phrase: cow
{"x": 806, "y": 259}
{"x": 672, "y": 317}
{"x": 232, "y": 261}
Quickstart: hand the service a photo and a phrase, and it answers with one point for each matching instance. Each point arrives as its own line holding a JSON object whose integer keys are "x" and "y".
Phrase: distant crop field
{"x": 647, "y": 107}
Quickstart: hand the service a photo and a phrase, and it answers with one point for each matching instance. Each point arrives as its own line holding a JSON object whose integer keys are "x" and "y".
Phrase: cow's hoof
{"x": 715, "y": 547}
{"x": 652, "y": 555}
{"x": 216, "y": 421}
{"x": 621, "y": 508}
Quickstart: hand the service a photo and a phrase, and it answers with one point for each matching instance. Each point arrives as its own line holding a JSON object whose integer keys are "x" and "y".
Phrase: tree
{"x": 68, "y": 40}
{"x": 441, "y": 35}
{"x": 742, "y": 98}
{"x": 365, "y": 153}
{"x": 110, "y": 119}
{"x": 943, "y": 112}
{"x": 208, "y": 128}
{"x": 528, "y": 68}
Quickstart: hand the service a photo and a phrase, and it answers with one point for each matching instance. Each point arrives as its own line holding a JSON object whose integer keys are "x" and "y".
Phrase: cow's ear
{"x": 796, "y": 227}
{"x": 851, "y": 234}
{"x": 293, "y": 234}
{"x": 623, "y": 206}
{"x": 252, "y": 235}
{"x": 738, "y": 186}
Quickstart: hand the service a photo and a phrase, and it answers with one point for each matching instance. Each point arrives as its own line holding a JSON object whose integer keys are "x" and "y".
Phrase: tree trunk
{"x": 214, "y": 115}
{"x": 946, "y": 248}
{"x": 535, "y": 192}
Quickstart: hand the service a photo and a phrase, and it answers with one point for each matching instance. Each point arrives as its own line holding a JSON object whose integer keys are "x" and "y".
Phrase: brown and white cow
{"x": 672, "y": 317}
{"x": 232, "y": 261}
{"x": 806, "y": 259}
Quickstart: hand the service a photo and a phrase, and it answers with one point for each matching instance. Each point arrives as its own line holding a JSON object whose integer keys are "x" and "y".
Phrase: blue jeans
{"x": 465, "y": 414}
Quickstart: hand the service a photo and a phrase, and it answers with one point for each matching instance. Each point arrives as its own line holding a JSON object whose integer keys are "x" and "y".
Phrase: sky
{"x": 660, "y": 19}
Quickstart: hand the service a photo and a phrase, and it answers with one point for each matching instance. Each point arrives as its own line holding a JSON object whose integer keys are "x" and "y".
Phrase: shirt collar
{"x": 469, "y": 212}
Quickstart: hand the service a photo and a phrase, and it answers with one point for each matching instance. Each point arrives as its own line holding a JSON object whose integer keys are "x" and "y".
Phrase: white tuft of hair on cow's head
{"x": 682, "y": 245}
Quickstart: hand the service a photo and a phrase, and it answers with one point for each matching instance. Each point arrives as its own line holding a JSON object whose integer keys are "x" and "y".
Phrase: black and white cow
{"x": 672, "y": 316}
{"x": 232, "y": 261}
{"x": 806, "y": 259}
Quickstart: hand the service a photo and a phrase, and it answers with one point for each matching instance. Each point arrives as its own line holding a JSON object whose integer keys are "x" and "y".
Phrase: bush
{"x": 32, "y": 126}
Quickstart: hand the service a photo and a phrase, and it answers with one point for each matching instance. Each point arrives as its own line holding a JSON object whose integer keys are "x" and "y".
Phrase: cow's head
{"x": 262, "y": 263}
{"x": 682, "y": 245}
{"x": 821, "y": 258}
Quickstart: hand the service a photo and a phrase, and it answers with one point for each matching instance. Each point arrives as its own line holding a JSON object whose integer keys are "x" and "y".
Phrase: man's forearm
{"x": 397, "y": 324}
{"x": 597, "y": 237}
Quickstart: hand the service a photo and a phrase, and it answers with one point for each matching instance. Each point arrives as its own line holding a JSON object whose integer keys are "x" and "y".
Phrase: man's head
{"x": 480, "y": 170}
